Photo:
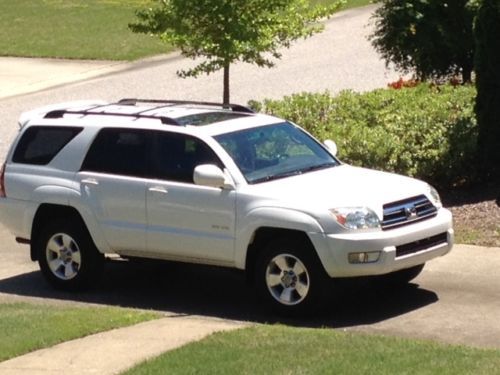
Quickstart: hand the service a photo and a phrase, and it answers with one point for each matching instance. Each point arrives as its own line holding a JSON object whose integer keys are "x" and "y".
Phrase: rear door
{"x": 113, "y": 182}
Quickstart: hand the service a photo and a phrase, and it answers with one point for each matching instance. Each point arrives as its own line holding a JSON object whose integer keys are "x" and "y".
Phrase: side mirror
{"x": 210, "y": 175}
{"x": 331, "y": 146}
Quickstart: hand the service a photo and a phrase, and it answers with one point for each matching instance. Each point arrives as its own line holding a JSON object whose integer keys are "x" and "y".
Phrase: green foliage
{"x": 434, "y": 39}
{"x": 27, "y": 327}
{"x": 427, "y": 132}
{"x": 287, "y": 350}
{"x": 487, "y": 32}
{"x": 225, "y": 31}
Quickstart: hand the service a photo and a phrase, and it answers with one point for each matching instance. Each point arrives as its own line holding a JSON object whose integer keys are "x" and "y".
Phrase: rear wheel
{"x": 290, "y": 278}
{"x": 67, "y": 255}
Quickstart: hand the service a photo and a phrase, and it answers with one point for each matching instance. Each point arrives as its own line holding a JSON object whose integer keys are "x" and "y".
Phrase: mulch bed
{"x": 476, "y": 215}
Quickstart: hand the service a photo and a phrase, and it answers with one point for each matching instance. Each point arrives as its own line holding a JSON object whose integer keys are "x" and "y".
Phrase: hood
{"x": 341, "y": 186}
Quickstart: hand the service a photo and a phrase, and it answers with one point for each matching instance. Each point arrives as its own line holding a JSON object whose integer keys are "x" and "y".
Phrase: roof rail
{"x": 61, "y": 112}
{"x": 233, "y": 107}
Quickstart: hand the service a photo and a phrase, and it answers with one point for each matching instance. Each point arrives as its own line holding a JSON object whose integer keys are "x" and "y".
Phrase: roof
{"x": 169, "y": 112}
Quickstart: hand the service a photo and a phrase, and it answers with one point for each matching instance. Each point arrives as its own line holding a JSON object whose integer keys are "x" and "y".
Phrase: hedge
{"x": 428, "y": 132}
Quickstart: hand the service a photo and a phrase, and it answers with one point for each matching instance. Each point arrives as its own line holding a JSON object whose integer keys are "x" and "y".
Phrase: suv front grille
{"x": 407, "y": 211}
{"x": 426, "y": 243}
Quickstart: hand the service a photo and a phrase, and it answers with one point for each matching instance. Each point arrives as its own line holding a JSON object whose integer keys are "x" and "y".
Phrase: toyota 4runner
{"x": 206, "y": 183}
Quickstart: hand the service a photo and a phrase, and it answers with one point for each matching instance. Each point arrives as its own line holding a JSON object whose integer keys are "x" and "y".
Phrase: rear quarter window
{"x": 40, "y": 144}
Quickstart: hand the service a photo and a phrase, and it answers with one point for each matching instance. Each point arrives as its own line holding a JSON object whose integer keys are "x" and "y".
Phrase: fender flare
{"x": 64, "y": 196}
{"x": 270, "y": 217}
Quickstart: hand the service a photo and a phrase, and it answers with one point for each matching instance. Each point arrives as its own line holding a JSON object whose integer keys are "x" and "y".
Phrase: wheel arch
{"x": 264, "y": 235}
{"x": 50, "y": 211}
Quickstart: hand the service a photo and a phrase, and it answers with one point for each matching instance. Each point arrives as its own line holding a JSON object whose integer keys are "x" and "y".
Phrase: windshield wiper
{"x": 318, "y": 167}
{"x": 294, "y": 172}
{"x": 277, "y": 176}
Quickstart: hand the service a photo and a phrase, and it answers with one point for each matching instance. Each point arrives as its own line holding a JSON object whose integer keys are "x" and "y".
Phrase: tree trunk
{"x": 466, "y": 74}
{"x": 487, "y": 32}
{"x": 225, "y": 95}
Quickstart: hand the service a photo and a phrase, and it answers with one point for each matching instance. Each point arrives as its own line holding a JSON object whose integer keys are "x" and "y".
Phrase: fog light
{"x": 366, "y": 257}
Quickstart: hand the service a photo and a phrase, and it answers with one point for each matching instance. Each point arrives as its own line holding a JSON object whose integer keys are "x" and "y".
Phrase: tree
{"x": 225, "y": 31}
{"x": 431, "y": 38}
{"x": 487, "y": 63}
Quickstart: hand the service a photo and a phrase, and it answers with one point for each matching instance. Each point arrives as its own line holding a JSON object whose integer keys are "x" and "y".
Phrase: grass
{"x": 27, "y": 327}
{"x": 285, "y": 350}
{"x": 74, "y": 29}
{"x": 77, "y": 29}
{"x": 467, "y": 236}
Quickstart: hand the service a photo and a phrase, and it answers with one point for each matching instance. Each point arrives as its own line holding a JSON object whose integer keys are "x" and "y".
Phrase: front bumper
{"x": 334, "y": 249}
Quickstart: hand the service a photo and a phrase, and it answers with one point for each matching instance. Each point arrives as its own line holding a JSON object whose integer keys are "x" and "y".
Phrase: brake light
{"x": 2, "y": 182}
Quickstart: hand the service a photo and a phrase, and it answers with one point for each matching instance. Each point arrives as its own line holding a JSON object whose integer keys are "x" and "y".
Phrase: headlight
{"x": 436, "y": 200}
{"x": 356, "y": 217}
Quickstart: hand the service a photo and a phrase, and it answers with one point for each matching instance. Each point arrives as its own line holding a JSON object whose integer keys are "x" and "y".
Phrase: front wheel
{"x": 290, "y": 278}
{"x": 67, "y": 255}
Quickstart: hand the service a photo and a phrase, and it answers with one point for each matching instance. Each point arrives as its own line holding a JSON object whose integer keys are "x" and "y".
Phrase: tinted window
{"x": 40, "y": 144}
{"x": 207, "y": 118}
{"x": 176, "y": 156}
{"x": 119, "y": 151}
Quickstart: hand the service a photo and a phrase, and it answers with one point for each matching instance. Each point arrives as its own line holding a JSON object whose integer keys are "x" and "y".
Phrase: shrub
{"x": 428, "y": 132}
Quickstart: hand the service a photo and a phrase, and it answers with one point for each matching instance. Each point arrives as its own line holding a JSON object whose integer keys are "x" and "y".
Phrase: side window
{"x": 40, "y": 144}
{"x": 176, "y": 156}
{"x": 118, "y": 151}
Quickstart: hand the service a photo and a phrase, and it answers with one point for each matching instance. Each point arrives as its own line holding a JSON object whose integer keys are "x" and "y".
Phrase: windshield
{"x": 275, "y": 151}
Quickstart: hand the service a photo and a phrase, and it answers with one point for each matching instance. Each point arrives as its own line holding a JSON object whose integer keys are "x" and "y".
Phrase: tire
{"x": 67, "y": 256}
{"x": 290, "y": 278}
{"x": 403, "y": 277}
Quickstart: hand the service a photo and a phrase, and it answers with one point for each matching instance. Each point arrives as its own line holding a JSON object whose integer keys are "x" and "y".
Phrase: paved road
{"x": 456, "y": 299}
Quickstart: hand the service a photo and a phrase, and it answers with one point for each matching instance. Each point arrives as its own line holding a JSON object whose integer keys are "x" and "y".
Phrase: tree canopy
{"x": 226, "y": 31}
{"x": 433, "y": 39}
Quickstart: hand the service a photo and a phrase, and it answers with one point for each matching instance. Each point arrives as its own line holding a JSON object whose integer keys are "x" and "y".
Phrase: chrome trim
{"x": 407, "y": 211}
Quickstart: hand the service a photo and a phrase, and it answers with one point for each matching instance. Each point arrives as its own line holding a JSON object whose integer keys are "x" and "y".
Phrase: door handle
{"x": 158, "y": 189}
{"x": 90, "y": 181}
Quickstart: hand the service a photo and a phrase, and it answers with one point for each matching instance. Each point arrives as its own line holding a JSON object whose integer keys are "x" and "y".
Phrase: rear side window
{"x": 40, "y": 144}
{"x": 119, "y": 151}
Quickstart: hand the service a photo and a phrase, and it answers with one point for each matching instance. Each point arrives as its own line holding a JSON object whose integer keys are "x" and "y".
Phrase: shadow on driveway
{"x": 223, "y": 293}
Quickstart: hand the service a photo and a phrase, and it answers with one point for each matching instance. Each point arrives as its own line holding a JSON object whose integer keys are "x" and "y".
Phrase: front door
{"x": 187, "y": 221}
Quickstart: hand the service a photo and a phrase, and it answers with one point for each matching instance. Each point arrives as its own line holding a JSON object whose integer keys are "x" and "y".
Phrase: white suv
{"x": 205, "y": 183}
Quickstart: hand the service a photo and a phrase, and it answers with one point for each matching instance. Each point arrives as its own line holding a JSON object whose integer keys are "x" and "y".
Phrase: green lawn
{"x": 26, "y": 327}
{"x": 286, "y": 350}
{"x": 76, "y": 29}
{"x": 80, "y": 29}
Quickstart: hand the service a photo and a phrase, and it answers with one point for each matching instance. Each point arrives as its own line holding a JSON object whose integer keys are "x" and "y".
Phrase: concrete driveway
{"x": 456, "y": 299}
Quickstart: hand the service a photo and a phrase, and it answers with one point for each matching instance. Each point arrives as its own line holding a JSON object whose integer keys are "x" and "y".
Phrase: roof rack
{"x": 61, "y": 112}
{"x": 233, "y": 107}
